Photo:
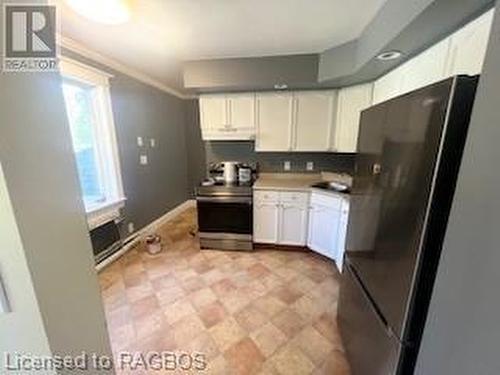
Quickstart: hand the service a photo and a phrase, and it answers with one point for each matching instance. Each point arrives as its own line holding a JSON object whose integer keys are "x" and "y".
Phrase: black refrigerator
{"x": 409, "y": 154}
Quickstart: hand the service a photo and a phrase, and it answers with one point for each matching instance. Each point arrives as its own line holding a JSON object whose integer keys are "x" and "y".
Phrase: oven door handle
{"x": 243, "y": 200}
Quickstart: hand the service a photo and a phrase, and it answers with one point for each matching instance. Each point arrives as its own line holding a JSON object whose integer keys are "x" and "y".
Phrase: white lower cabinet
{"x": 280, "y": 217}
{"x": 266, "y": 221}
{"x": 299, "y": 219}
{"x": 293, "y": 223}
{"x": 328, "y": 226}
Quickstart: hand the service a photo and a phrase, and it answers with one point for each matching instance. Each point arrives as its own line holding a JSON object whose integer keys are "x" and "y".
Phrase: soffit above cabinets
{"x": 399, "y": 25}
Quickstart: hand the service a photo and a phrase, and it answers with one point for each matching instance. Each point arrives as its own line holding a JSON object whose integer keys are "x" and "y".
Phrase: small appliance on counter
{"x": 233, "y": 172}
{"x": 245, "y": 173}
{"x": 225, "y": 207}
{"x": 230, "y": 171}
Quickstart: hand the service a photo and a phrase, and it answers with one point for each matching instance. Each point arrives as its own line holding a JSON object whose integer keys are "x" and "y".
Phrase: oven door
{"x": 225, "y": 215}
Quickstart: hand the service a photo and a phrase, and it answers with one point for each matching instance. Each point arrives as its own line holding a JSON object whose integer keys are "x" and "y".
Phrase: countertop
{"x": 300, "y": 182}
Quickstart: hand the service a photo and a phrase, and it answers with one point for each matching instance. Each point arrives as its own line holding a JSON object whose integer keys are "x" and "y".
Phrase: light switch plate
{"x": 140, "y": 142}
{"x": 143, "y": 159}
{"x": 287, "y": 165}
{"x": 310, "y": 166}
{"x": 152, "y": 142}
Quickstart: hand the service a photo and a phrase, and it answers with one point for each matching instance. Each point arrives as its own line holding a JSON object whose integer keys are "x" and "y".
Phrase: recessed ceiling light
{"x": 280, "y": 86}
{"x": 111, "y": 12}
{"x": 389, "y": 55}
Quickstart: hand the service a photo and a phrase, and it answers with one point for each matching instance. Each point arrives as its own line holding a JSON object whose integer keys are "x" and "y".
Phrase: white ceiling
{"x": 161, "y": 33}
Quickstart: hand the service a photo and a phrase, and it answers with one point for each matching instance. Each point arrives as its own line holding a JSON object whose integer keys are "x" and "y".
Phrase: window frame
{"x": 105, "y": 139}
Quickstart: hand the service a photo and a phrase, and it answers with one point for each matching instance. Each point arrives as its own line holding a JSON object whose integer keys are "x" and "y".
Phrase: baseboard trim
{"x": 134, "y": 239}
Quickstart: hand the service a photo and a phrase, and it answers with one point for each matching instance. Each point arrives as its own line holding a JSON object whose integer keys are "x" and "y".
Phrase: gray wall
{"x": 40, "y": 174}
{"x": 142, "y": 110}
{"x": 462, "y": 333}
{"x": 22, "y": 329}
{"x": 195, "y": 147}
{"x": 251, "y": 73}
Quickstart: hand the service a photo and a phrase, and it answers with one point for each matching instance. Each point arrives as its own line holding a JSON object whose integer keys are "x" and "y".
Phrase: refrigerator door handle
{"x": 380, "y": 318}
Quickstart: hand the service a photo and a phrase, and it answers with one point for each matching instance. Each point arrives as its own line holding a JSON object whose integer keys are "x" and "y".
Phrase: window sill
{"x": 101, "y": 214}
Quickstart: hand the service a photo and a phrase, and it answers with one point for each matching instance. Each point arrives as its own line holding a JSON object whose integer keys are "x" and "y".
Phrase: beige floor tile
{"x": 308, "y": 308}
{"x": 187, "y": 329}
{"x": 268, "y": 339}
{"x": 290, "y": 360}
{"x": 227, "y": 333}
{"x": 212, "y": 314}
{"x": 244, "y": 357}
{"x": 169, "y": 295}
{"x": 289, "y": 322}
{"x": 327, "y": 326}
{"x": 313, "y": 344}
{"x": 235, "y": 301}
{"x": 202, "y": 297}
{"x": 269, "y": 305}
{"x": 178, "y": 310}
{"x": 237, "y": 294}
{"x": 250, "y": 318}
{"x": 203, "y": 344}
{"x": 335, "y": 363}
{"x": 287, "y": 294}
{"x": 218, "y": 366}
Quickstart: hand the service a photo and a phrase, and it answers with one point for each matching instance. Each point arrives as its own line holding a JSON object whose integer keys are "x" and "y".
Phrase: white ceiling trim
{"x": 87, "y": 52}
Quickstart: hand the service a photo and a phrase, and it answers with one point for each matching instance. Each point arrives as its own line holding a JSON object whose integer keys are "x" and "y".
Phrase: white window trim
{"x": 100, "y": 214}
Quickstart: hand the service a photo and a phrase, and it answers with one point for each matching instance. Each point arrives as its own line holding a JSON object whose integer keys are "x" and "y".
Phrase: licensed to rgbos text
{"x": 133, "y": 361}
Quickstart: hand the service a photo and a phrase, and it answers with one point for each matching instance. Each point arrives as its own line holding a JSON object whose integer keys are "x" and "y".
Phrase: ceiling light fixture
{"x": 110, "y": 12}
{"x": 389, "y": 55}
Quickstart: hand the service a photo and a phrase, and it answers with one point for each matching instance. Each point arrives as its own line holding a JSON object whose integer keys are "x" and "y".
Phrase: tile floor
{"x": 266, "y": 312}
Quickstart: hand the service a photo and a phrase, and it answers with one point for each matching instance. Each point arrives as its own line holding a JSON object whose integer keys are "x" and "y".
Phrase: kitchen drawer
{"x": 298, "y": 198}
{"x": 266, "y": 196}
{"x": 329, "y": 201}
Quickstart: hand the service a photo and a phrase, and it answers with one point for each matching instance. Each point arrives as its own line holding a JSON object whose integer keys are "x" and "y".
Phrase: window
{"x": 88, "y": 106}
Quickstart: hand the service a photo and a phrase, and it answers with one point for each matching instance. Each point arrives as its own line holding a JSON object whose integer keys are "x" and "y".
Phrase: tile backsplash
{"x": 274, "y": 161}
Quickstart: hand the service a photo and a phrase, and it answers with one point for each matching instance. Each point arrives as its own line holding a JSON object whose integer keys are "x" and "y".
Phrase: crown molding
{"x": 89, "y": 53}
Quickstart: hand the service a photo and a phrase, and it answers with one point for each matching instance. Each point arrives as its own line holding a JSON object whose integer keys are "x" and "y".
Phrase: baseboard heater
{"x": 106, "y": 240}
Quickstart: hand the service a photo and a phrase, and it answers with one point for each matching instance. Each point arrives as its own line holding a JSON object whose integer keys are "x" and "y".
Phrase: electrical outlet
{"x": 140, "y": 142}
{"x": 152, "y": 142}
{"x": 287, "y": 165}
{"x": 143, "y": 159}
{"x": 130, "y": 227}
{"x": 310, "y": 166}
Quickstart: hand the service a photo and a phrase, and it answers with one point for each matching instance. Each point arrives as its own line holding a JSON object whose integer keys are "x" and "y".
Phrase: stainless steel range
{"x": 225, "y": 216}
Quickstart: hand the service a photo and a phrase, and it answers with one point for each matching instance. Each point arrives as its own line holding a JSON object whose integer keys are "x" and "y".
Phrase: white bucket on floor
{"x": 153, "y": 244}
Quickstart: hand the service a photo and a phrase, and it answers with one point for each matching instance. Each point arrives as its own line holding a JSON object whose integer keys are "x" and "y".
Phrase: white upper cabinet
{"x": 274, "y": 122}
{"x": 468, "y": 46}
{"x": 388, "y": 86}
{"x": 352, "y": 100}
{"x": 461, "y": 53}
{"x": 328, "y": 120}
{"x": 241, "y": 110}
{"x": 426, "y": 68}
{"x": 228, "y": 117}
{"x": 314, "y": 120}
{"x": 213, "y": 113}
